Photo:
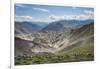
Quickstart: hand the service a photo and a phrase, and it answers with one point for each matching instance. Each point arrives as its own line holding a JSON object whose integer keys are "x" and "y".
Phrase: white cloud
{"x": 83, "y": 17}
{"x": 67, "y": 17}
{"x": 54, "y": 17}
{"x": 72, "y": 17}
{"x": 23, "y": 18}
{"x": 89, "y": 12}
{"x": 20, "y": 5}
{"x": 41, "y": 9}
{"x": 88, "y": 15}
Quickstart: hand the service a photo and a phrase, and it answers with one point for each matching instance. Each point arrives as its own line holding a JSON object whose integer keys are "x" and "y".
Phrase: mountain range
{"x": 61, "y": 25}
{"x": 65, "y": 25}
{"x": 28, "y": 27}
{"x": 52, "y": 41}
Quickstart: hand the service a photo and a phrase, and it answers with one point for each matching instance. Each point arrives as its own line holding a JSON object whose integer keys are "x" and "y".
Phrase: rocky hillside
{"x": 53, "y": 41}
{"x": 65, "y": 25}
{"x": 26, "y": 27}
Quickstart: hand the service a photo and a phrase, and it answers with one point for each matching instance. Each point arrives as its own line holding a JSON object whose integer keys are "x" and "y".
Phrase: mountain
{"x": 54, "y": 27}
{"x": 31, "y": 48}
{"x": 81, "y": 43}
{"x": 41, "y": 24}
{"x": 85, "y": 30}
{"x": 26, "y": 27}
{"x": 22, "y": 47}
{"x": 65, "y": 25}
{"x": 54, "y": 42}
{"x": 51, "y": 47}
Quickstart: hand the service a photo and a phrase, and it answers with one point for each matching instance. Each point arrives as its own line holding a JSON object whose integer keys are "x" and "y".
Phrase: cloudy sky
{"x": 45, "y": 13}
